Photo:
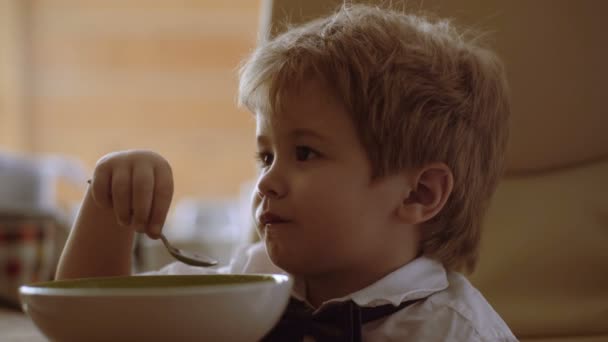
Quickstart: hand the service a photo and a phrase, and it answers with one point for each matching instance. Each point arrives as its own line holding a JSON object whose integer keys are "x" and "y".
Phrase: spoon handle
{"x": 165, "y": 242}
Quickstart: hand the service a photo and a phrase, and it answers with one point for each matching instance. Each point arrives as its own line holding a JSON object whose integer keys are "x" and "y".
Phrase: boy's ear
{"x": 431, "y": 187}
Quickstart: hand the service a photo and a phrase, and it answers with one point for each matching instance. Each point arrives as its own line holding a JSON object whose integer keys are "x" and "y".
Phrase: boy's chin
{"x": 294, "y": 264}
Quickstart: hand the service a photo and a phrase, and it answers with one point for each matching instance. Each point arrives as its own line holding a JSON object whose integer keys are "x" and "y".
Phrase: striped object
{"x": 28, "y": 252}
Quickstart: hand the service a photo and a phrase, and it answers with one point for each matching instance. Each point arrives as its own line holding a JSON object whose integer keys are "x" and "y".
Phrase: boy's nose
{"x": 268, "y": 194}
{"x": 270, "y": 187}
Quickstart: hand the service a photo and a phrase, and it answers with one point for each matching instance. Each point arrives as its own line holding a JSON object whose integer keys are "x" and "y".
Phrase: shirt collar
{"x": 417, "y": 279}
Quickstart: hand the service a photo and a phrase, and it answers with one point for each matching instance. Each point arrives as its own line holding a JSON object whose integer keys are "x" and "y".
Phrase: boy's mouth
{"x": 268, "y": 218}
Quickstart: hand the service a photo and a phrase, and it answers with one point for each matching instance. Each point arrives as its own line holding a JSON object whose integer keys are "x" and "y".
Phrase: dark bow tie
{"x": 339, "y": 322}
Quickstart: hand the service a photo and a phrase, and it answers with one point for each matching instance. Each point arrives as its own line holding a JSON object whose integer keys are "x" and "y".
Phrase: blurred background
{"x": 82, "y": 79}
{"x": 79, "y": 79}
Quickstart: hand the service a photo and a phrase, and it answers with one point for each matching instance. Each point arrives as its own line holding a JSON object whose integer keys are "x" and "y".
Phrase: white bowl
{"x": 158, "y": 308}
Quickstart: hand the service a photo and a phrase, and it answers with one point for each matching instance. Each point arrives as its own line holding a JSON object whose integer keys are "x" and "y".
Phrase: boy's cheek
{"x": 255, "y": 200}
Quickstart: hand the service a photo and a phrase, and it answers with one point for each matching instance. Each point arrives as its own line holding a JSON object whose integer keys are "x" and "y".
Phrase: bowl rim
{"x": 38, "y": 290}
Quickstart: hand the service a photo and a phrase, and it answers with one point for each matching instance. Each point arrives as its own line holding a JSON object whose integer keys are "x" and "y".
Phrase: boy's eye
{"x": 304, "y": 153}
{"x": 264, "y": 158}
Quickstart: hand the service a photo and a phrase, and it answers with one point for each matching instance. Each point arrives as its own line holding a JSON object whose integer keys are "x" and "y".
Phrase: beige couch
{"x": 544, "y": 260}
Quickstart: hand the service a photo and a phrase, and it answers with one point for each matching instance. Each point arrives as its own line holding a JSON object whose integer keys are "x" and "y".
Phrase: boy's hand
{"x": 138, "y": 186}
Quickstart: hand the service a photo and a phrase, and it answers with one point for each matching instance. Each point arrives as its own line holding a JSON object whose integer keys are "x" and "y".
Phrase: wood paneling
{"x": 162, "y": 74}
{"x": 13, "y": 116}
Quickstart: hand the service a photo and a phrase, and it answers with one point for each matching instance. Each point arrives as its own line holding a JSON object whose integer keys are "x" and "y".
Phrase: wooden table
{"x": 15, "y": 326}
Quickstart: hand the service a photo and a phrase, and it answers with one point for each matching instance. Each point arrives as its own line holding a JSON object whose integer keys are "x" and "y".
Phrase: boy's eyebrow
{"x": 303, "y": 132}
{"x": 294, "y": 134}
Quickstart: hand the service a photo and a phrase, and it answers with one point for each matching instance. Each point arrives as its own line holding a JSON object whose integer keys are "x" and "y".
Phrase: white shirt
{"x": 451, "y": 309}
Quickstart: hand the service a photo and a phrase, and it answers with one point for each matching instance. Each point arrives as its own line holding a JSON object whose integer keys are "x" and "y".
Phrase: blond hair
{"x": 418, "y": 92}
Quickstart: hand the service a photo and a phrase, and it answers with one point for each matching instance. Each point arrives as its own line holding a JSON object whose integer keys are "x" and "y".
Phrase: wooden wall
{"x": 13, "y": 121}
{"x": 107, "y": 75}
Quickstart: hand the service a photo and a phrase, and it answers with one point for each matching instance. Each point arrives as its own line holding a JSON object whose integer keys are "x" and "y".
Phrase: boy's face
{"x": 316, "y": 179}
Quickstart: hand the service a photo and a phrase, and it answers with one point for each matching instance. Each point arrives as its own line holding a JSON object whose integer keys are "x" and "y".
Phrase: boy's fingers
{"x": 121, "y": 194}
{"x": 163, "y": 193}
{"x": 143, "y": 191}
{"x": 101, "y": 187}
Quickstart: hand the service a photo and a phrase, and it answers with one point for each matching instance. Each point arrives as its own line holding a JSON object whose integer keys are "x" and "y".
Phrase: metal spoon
{"x": 189, "y": 258}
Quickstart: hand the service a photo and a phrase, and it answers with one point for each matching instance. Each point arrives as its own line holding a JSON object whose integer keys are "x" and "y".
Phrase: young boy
{"x": 381, "y": 139}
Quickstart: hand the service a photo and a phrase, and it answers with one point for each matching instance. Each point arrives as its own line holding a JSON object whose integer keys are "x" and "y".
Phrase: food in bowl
{"x": 215, "y": 307}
